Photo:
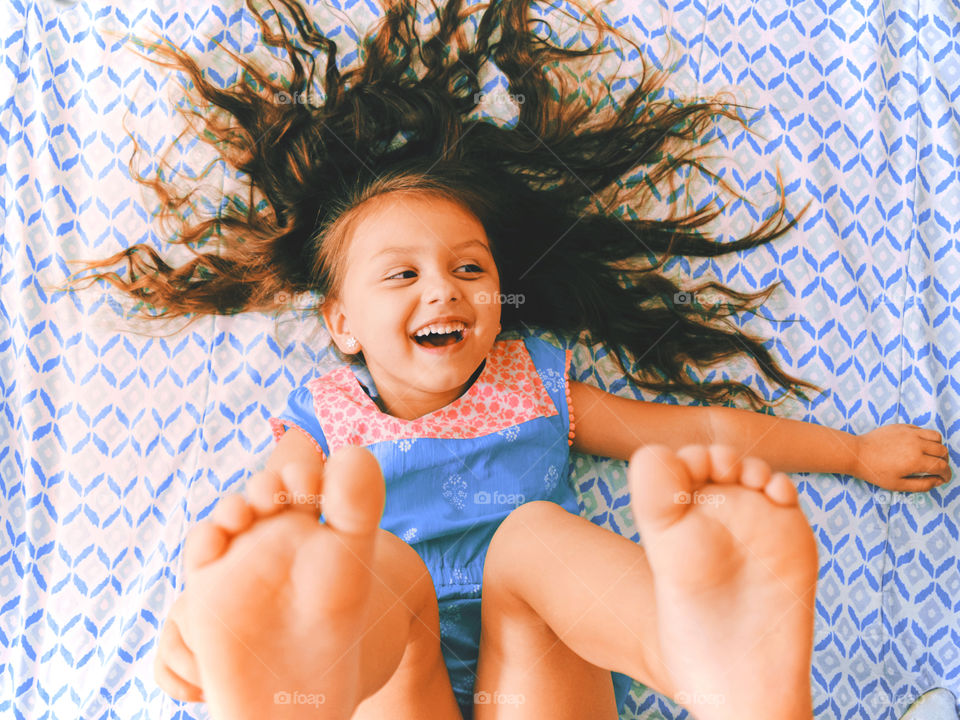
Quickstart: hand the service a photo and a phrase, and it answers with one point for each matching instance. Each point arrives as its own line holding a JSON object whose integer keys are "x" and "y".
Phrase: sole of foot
{"x": 735, "y": 569}
{"x": 274, "y": 601}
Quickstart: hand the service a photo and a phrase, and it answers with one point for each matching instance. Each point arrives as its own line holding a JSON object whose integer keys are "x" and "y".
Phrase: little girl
{"x": 413, "y": 247}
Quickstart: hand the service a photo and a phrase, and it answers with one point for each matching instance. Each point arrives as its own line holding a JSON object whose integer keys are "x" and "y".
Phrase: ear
{"x": 337, "y": 326}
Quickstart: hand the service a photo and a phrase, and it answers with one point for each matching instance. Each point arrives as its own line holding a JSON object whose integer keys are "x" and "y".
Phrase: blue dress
{"x": 454, "y": 474}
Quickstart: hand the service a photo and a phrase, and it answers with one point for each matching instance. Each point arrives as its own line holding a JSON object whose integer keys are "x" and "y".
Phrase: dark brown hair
{"x": 547, "y": 189}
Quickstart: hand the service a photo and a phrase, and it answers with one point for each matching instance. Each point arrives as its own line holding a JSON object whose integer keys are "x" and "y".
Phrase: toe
{"x": 756, "y": 473}
{"x": 303, "y": 485}
{"x": 173, "y": 653}
{"x": 353, "y": 503}
{"x": 355, "y": 491}
{"x": 781, "y": 490}
{"x": 174, "y": 667}
{"x": 233, "y": 514}
{"x": 204, "y": 544}
{"x": 726, "y": 464}
{"x": 174, "y": 685}
{"x": 266, "y": 493}
{"x": 697, "y": 460}
{"x": 660, "y": 487}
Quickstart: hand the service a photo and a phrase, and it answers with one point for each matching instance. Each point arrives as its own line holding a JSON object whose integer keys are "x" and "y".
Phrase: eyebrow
{"x": 402, "y": 250}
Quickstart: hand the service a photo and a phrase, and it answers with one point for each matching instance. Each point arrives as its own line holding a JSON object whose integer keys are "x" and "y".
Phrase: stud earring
{"x": 351, "y": 343}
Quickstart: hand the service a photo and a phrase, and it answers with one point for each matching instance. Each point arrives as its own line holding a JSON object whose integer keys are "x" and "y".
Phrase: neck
{"x": 411, "y": 404}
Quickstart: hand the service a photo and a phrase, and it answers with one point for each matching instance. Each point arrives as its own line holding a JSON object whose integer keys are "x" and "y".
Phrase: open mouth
{"x": 439, "y": 339}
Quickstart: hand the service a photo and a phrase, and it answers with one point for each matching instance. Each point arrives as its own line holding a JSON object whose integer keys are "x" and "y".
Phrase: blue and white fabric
{"x": 115, "y": 440}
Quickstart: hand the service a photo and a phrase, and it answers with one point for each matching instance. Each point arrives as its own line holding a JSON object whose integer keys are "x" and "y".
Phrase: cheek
{"x": 391, "y": 318}
{"x": 485, "y": 299}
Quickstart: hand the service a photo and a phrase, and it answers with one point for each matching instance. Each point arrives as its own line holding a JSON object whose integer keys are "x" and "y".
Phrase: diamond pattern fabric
{"x": 115, "y": 438}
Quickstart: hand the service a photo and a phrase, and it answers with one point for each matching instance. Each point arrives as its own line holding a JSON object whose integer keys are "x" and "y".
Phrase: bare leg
{"x": 285, "y": 617}
{"x": 716, "y": 610}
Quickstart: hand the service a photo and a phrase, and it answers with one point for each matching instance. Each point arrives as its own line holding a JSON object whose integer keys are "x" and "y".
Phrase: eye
{"x": 471, "y": 268}
{"x": 398, "y": 276}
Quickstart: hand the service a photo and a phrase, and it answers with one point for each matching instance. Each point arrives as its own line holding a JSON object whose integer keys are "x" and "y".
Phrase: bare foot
{"x": 275, "y": 603}
{"x": 298, "y": 488}
{"x": 735, "y": 571}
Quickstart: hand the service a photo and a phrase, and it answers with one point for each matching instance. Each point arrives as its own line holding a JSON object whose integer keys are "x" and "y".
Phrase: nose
{"x": 439, "y": 287}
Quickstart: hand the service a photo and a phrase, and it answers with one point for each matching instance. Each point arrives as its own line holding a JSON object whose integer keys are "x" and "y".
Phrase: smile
{"x": 439, "y": 339}
{"x": 440, "y": 334}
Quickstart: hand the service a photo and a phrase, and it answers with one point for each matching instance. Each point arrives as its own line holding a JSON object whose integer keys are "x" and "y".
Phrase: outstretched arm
{"x": 895, "y": 457}
{"x": 786, "y": 445}
{"x": 614, "y": 427}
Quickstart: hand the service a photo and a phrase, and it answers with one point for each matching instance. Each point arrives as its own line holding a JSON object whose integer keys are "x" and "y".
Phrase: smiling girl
{"x": 378, "y": 611}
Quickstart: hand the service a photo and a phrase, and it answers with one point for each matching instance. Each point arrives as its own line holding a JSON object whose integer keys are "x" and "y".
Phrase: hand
{"x": 890, "y": 457}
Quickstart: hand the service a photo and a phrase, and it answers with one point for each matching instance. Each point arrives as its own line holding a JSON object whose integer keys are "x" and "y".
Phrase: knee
{"x": 517, "y": 532}
{"x": 523, "y": 522}
{"x": 402, "y": 568}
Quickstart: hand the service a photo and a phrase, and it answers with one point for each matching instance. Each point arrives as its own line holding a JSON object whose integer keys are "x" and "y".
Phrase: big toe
{"x": 661, "y": 487}
{"x": 352, "y": 505}
{"x": 354, "y": 491}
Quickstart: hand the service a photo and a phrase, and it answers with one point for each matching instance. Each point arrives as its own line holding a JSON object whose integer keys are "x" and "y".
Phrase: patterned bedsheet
{"x": 113, "y": 443}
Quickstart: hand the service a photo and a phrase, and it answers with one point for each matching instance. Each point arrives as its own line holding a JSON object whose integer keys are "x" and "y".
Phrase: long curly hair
{"x": 547, "y": 188}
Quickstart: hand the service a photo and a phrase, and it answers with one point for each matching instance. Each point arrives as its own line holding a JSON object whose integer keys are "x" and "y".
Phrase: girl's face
{"x": 417, "y": 263}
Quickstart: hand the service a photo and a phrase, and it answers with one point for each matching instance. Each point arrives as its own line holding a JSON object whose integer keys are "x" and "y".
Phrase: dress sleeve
{"x": 554, "y": 365}
{"x": 299, "y": 415}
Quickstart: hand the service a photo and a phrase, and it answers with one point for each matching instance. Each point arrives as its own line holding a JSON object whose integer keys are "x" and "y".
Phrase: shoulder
{"x": 528, "y": 356}
{"x": 551, "y": 359}
{"x": 333, "y": 382}
{"x": 541, "y": 347}
{"x": 537, "y": 366}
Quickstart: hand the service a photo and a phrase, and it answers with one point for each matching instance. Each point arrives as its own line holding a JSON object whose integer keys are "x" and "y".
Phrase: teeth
{"x": 441, "y": 328}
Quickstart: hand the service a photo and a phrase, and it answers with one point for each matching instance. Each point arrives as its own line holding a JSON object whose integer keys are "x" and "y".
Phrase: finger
{"x": 921, "y": 484}
{"x": 937, "y": 449}
{"x": 930, "y": 435}
{"x": 941, "y": 467}
{"x": 936, "y": 466}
